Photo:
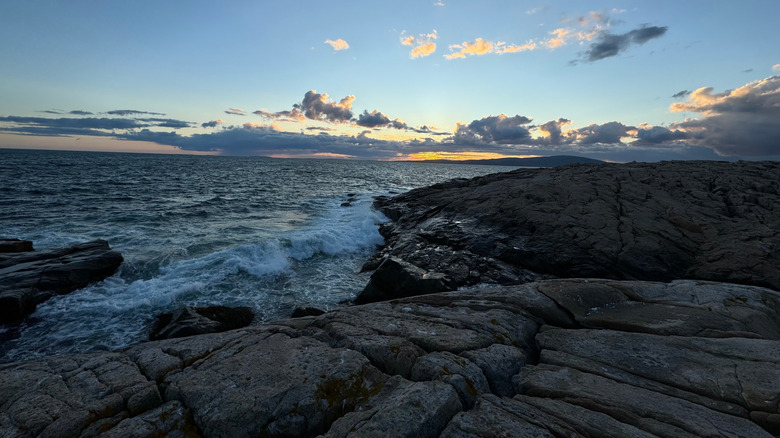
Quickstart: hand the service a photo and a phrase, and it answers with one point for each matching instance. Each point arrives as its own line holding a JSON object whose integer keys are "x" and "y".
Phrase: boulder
{"x": 300, "y": 312}
{"x": 31, "y": 277}
{"x": 395, "y": 278}
{"x": 189, "y": 321}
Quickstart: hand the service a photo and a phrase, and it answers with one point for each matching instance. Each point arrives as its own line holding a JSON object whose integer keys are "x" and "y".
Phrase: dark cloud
{"x": 376, "y": 119}
{"x": 655, "y": 135}
{"x": 607, "y": 133}
{"x": 502, "y": 129}
{"x": 235, "y": 112}
{"x": 749, "y": 70}
{"x": 132, "y": 113}
{"x": 167, "y": 123}
{"x": 264, "y": 140}
{"x": 80, "y": 113}
{"x": 317, "y": 106}
{"x": 66, "y": 122}
{"x": 211, "y": 124}
{"x": 740, "y": 122}
{"x": 50, "y": 112}
{"x": 552, "y": 131}
{"x": 372, "y": 120}
{"x": 83, "y": 126}
{"x": 682, "y": 93}
{"x": 608, "y": 44}
{"x": 425, "y": 129}
{"x": 319, "y": 128}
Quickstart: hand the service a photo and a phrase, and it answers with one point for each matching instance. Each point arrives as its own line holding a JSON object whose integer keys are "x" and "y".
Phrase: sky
{"x": 394, "y": 80}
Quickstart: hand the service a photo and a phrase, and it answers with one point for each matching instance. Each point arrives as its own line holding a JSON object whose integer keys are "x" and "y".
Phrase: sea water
{"x": 271, "y": 234}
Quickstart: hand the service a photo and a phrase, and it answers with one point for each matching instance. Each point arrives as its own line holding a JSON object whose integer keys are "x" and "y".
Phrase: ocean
{"x": 271, "y": 234}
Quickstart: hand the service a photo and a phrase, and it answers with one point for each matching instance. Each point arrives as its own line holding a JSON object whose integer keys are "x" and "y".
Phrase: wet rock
{"x": 300, "y": 312}
{"x": 29, "y": 278}
{"x": 395, "y": 278}
{"x": 15, "y": 245}
{"x": 189, "y": 321}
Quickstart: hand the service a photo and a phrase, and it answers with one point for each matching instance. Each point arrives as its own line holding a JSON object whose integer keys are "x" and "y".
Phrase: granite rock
{"x": 713, "y": 221}
{"x": 516, "y": 360}
{"x": 31, "y": 277}
{"x": 189, "y": 321}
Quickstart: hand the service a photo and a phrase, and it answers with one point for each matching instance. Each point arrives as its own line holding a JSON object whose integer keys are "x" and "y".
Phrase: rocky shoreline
{"x": 514, "y": 352}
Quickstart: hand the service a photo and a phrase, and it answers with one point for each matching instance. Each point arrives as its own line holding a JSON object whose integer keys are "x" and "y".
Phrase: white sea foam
{"x": 319, "y": 260}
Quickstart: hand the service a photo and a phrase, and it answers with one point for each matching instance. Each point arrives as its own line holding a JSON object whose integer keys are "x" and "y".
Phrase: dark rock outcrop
{"x": 714, "y": 221}
{"x": 525, "y": 360}
{"x": 31, "y": 277}
{"x": 15, "y": 245}
{"x": 300, "y": 312}
{"x": 189, "y": 321}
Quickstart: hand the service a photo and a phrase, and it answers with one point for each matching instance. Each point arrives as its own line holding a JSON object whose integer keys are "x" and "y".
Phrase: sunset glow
{"x": 457, "y": 156}
{"x": 615, "y": 81}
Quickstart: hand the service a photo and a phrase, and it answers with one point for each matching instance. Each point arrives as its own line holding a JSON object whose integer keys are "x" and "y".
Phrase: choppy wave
{"x": 268, "y": 234}
{"x": 117, "y": 312}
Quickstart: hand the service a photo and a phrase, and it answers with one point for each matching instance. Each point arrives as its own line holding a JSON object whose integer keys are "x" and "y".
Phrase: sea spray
{"x": 237, "y": 231}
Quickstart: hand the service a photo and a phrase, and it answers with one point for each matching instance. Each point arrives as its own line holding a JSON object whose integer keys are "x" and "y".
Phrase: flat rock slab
{"x": 29, "y": 278}
{"x": 517, "y": 360}
{"x": 713, "y": 221}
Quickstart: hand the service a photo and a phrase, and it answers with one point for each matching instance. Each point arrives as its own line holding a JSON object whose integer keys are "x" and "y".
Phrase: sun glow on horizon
{"x": 456, "y": 156}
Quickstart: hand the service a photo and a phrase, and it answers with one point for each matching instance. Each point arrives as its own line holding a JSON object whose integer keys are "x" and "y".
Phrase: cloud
{"x": 373, "y": 119}
{"x": 607, "y": 133}
{"x": 212, "y": 124}
{"x": 256, "y": 139}
{"x": 423, "y": 45}
{"x": 320, "y": 128}
{"x": 132, "y": 113}
{"x": 338, "y": 44}
{"x": 316, "y": 106}
{"x": 499, "y": 129}
{"x": 552, "y": 131}
{"x": 50, "y": 112}
{"x": 608, "y": 44}
{"x": 682, "y": 93}
{"x": 743, "y": 121}
{"x": 655, "y": 135}
{"x": 775, "y": 67}
{"x": 376, "y": 119}
{"x": 291, "y": 115}
{"x": 587, "y": 28}
{"x": 62, "y": 126}
{"x": 235, "y": 112}
{"x": 80, "y": 113}
{"x": 482, "y": 47}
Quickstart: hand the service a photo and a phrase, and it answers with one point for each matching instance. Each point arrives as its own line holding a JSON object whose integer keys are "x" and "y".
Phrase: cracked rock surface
{"x": 524, "y": 360}
{"x": 518, "y": 353}
{"x": 714, "y": 221}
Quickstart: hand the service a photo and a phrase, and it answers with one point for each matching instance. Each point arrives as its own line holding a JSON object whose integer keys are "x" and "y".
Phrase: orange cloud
{"x": 424, "y": 44}
{"x": 482, "y": 47}
{"x": 338, "y": 44}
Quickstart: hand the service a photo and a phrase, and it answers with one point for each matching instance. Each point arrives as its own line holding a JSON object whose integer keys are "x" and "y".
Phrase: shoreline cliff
{"x": 534, "y": 345}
